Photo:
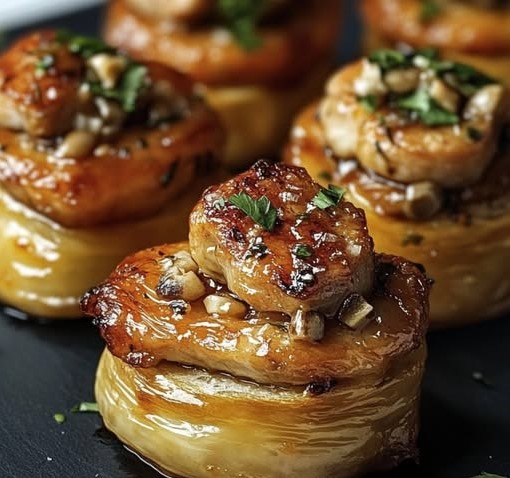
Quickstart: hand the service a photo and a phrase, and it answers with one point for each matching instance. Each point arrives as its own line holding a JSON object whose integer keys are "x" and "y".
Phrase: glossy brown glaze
{"x": 143, "y": 169}
{"x": 138, "y": 170}
{"x": 339, "y": 249}
{"x": 459, "y": 26}
{"x": 308, "y": 148}
{"x": 40, "y": 105}
{"x": 143, "y": 329}
{"x": 291, "y": 45}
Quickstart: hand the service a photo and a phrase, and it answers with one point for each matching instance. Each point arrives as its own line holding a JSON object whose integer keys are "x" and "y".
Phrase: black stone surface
{"x": 48, "y": 368}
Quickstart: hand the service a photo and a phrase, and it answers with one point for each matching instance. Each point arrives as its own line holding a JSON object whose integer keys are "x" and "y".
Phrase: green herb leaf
{"x": 303, "y": 251}
{"x": 388, "y": 59}
{"x": 83, "y": 45}
{"x": 429, "y": 10}
{"x": 260, "y": 210}
{"x": 126, "y": 93}
{"x": 85, "y": 407}
{"x": 44, "y": 63}
{"x": 59, "y": 418}
{"x": 464, "y": 78}
{"x": 328, "y": 197}
{"x": 368, "y": 102}
{"x": 241, "y": 17}
{"x": 427, "y": 110}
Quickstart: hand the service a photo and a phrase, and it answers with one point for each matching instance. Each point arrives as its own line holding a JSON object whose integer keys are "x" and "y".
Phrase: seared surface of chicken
{"x": 40, "y": 104}
{"x": 289, "y": 47}
{"x": 413, "y": 118}
{"x": 143, "y": 328}
{"x": 137, "y": 135}
{"x": 310, "y": 257}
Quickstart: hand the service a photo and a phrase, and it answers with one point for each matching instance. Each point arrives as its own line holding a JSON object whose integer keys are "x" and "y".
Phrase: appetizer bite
{"x": 421, "y": 144}
{"x": 99, "y": 156}
{"x": 258, "y": 61}
{"x": 275, "y": 343}
{"x": 476, "y": 32}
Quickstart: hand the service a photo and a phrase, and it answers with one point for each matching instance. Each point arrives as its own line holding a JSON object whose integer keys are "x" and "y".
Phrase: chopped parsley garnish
{"x": 241, "y": 17}
{"x": 83, "y": 45}
{"x": 303, "y": 251}
{"x": 474, "y": 134}
{"x": 368, "y": 102}
{"x": 427, "y": 109}
{"x": 429, "y": 10}
{"x": 44, "y": 63}
{"x": 328, "y": 197}
{"x": 260, "y": 210}
{"x": 59, "y": 418}
{"x": 85, "y": 407}
{"x": 464, "y": 78}
{"x": 388, "y": 59}
{"x": 126, "y": 93}
{"x": 131, "y": 81}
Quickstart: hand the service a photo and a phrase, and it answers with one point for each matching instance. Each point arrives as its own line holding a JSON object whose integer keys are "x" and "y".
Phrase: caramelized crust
{"x": 463, "y": 247}
{"x": 291, "y": 46}
{"x": 143, "y": 329}
{"x": 338, "y": 250}
{"x": 458, "y": 27}
{"x": 40, "y": 105}
{"x": 143, "y": 169}
{"x": 139, "y": 169}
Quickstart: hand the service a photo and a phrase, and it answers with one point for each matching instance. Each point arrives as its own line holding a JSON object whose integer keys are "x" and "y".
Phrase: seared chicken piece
{"x": 317, "y": 257}
{"x": 310, "y": 257}
{"x": 128, "y": 124}
{"x": 199, "y": 352}
{"x": 30, "y": 100}
{"x": 143, "y": 327}
{"x": 429, "y": 132}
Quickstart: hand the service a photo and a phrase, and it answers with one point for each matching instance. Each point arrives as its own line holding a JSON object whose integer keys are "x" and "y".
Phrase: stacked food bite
{"x": 100, "y": 156}
{"x": 476, "y": 32}
{"x": 420, "y": 142}
{"x": 276, "y": 317}
{"x": 258, "y": 61}
{"x": 275, "y": 341}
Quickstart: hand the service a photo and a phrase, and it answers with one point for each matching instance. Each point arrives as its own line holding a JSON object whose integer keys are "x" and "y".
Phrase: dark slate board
{"x": 48, "y": 368}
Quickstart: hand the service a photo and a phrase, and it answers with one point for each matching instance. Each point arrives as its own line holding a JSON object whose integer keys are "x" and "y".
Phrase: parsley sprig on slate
{"x": 241, "y": 17}
{"x": 328, "y": 197}
{"x": 85, "y": 407}
{"x": 260, "y": 210}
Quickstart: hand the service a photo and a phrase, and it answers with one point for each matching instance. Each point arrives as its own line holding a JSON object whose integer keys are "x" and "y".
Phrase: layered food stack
{"x": 476, "y": 32}
{"x": 100, "y": 155}
{"x": 421, "y": 143}
{"x": 274, "y": 343}
{"x": 258, "y": 61}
